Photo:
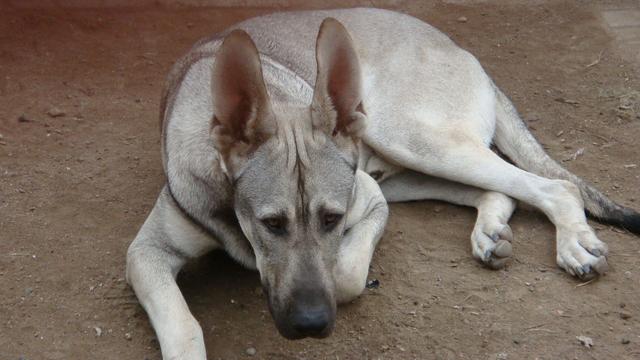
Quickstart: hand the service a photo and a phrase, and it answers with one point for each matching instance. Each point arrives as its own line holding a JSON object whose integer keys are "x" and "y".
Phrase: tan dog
{"x": 282, "y": 145}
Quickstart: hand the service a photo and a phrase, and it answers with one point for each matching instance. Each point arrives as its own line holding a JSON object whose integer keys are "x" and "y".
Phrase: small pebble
{"x": 128, "y": 336}
{"x": 251, "y": 351}
{"x": 24, "y": 118}
{"x": 625, "y": 315}
{"x": 625, "y": 341}
{"x": 585, "y": 340}
{"x": 98, "y": 331}
{"x": 55, "y": 112}
{"x": 462, "y": 19}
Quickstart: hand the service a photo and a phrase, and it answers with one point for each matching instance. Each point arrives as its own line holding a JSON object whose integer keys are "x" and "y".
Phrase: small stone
{"x": 128, "y": 336}
{"x": 24, "y": 118}
{"x": 585, "y": 340}
{"x": 251, "y": 351}
{"x": 502, "y": 356}
{"x": 625, "y": 341}
{"x": 55, "y": 112}
{"x": 98, "y": 331}
{"x": 28, "y": 291}
{"x": 463, "y": 19}
{"x": 625, "y": 315}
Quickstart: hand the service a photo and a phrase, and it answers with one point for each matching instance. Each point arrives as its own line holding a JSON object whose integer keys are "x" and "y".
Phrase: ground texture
{"x": 80, "y": 169}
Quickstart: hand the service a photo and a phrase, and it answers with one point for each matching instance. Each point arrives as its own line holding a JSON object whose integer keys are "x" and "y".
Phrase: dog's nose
{"x": 310, "y": 322}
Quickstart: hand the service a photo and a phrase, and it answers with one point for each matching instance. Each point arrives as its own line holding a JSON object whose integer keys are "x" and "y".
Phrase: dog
{"x": 284, "y": 138}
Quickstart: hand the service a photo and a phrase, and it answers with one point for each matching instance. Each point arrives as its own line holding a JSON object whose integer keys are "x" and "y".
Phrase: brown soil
{"x": 74, "y": 190}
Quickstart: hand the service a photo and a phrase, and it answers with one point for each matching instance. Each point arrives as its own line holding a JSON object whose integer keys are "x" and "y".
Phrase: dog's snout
{"x": 312, "y": 322}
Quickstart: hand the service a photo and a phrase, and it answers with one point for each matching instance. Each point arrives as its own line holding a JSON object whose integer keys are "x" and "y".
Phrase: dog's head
{"x": 293, "y": 172}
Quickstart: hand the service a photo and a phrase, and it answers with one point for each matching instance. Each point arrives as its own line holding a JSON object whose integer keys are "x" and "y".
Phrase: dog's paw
{"x": 491, "y": 244}
{"x": 581, "y": 253}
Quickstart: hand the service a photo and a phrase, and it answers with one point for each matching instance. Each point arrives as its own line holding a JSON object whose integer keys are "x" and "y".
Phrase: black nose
{"x": 310, "y": 322}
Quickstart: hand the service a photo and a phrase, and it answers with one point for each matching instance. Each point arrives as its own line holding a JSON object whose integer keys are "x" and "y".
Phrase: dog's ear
{"x": 243, "y": 118}
{"x": 337, "y": 99}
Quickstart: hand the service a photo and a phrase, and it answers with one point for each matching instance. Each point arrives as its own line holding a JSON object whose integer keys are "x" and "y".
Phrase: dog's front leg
{"x": 365, "y": 224}
{"x": 163, "y": 245}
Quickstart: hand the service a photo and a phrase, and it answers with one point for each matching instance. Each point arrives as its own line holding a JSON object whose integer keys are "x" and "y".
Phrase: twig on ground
{"x": 586, "y": 282}
{"x": 596, "y": 61}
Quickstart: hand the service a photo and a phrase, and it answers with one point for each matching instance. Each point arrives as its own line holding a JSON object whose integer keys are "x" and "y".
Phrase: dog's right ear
{"x": 242, "y": 114}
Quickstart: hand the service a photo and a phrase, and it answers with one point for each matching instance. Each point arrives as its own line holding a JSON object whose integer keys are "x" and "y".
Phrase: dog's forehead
{"x": 298, "y": 168}
{"x": 320, "y": 165}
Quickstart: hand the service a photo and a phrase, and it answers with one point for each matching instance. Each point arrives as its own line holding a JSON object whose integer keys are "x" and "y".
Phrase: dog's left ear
{"x": 337, "y": 98}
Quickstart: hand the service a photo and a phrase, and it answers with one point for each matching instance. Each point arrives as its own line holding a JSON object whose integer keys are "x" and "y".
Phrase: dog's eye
{"x": 276, "y": 225}
{"x": 330, "y": 220}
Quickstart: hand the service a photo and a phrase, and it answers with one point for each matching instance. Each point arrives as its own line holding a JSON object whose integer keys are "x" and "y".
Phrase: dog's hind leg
{"x": 459, "y": 156}
{"x": 491, "y": 237}
{"x": 163, "y": 245}
{"x": 365, "y": 224}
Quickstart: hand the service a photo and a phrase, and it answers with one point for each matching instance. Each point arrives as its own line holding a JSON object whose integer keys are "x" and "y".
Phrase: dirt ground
{"x": 75, "y": 187}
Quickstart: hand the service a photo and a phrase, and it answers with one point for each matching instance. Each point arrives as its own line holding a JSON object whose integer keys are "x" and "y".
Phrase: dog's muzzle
{"x": 308, "y": 313}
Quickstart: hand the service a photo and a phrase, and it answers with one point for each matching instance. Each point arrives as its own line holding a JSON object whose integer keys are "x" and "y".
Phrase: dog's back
{"x": 409, "y": 69}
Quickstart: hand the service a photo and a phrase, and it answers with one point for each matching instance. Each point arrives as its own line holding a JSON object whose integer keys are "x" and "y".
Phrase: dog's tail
{"x": 516, "y": 142}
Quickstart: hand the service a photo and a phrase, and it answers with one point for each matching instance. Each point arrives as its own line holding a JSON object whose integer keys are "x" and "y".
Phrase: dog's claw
{"x": 582, "y": 254}
{"x": 591, "y": 271}
{"x": 496, "y": 246}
